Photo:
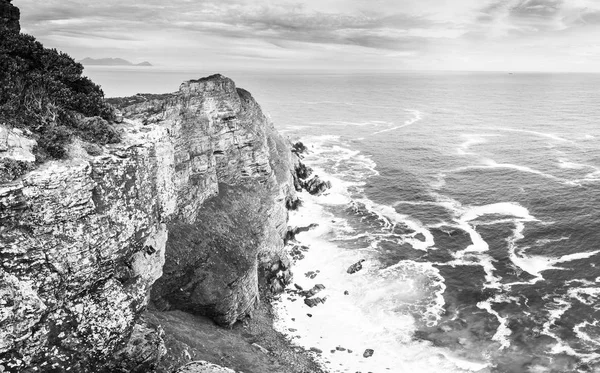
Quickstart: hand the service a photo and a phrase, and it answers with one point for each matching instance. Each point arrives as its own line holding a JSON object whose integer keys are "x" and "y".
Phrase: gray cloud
{"x": 231, "y": 19}
{"x": 422, "y": 32}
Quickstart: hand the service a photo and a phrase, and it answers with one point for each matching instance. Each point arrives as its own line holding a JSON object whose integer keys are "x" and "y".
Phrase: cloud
{"x": 412, "y": 33}
{"x": 283, "y": 21}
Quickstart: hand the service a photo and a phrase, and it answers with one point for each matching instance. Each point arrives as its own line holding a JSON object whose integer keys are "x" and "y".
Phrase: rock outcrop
{"x": 9, "y": 15}
{"x": 198, "y": 186}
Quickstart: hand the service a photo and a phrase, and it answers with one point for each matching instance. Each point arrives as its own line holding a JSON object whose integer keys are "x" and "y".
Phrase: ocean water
{"x": 474, "y": 199}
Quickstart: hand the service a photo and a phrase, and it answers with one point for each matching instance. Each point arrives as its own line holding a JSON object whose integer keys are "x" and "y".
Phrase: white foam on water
{"x": 593, "y": 293}
{"x": 493, "y": 164}
{"x": 384, "y": 305}
{"x": 417, "y": 116}
{"x": 557, "y": 308}
{"x": 579, "y": 330}
{"x": 591, "y": 177}
{"x": 478, "y": 248}
{"x": 382, "y": 310}
{"x": 370, "y": 123}
{"x": 536, "y": 264}
{"x": 563, "y": 163}
{"x": 554, "y": 314}
{"x": 346, "y": 103}
{"x": 503, "y": 332}
{"x": 390, "y": 215}
{"x": 539, "y": 134}
{"x": 291, "y": 129}
{"x": 472, "y": 139}
{"x": 502, "y": 208}
{"x": 545, "y": 241}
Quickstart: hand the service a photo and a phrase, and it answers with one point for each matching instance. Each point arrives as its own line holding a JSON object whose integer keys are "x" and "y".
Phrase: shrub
{"x": 11, "y": 169}
{"x": 43, "y": 90}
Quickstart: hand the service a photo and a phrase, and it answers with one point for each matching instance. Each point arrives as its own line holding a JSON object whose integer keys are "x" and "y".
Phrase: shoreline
{"x": 250, "y": 346}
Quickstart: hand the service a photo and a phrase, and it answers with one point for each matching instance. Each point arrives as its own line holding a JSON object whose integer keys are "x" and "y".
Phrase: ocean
{"x": 473, "y": 199}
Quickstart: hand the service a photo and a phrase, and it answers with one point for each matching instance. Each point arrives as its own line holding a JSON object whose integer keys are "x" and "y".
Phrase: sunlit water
{"x": 473, "y": 198}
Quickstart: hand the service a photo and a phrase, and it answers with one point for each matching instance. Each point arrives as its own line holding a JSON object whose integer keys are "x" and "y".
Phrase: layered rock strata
{"x": 198, "y": 186}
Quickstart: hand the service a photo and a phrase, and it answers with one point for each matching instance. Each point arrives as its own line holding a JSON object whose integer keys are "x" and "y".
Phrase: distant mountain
{"x": 111, "y": 62}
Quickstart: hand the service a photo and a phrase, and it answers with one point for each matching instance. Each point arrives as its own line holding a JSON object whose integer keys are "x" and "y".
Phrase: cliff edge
{"x": 188, "y": 209}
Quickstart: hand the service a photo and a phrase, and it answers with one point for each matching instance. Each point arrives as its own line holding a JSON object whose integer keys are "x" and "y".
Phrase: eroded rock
{"x": 82, "y": 241}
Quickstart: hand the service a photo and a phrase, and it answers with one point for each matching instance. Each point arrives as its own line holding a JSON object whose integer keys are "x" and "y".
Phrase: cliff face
{"x": 9, "y": 15}
{"x": 198, "y": 186}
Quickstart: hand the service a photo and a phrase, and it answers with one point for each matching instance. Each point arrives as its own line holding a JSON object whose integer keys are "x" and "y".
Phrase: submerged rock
{"x": 368, "y": 353}
{"x": 355, "y": 267}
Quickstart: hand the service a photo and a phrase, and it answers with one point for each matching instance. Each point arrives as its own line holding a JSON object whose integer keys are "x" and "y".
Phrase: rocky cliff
{"x": 189, "y": 210}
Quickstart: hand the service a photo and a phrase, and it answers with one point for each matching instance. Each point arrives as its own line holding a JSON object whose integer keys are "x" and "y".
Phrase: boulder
{"x": 355, "y": 267}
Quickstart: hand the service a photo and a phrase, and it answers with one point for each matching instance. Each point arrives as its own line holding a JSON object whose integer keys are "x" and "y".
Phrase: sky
{"x": 470, "y": 35}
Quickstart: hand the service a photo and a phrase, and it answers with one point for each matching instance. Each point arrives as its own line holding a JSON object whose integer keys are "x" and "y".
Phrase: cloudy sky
{"x": 535, "y": 35}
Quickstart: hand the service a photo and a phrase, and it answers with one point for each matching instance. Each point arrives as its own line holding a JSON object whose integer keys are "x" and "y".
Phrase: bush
{"x": 11, "y": 169}
{"x": 44, "y": 91}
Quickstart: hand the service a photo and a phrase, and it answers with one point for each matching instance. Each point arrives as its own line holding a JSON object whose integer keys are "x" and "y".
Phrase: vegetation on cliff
{"x": 43, "y": 91}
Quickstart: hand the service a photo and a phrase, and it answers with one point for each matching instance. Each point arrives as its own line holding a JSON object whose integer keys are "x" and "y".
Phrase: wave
{"x": 503, "y": 332}
{"x": 384, "y": 304}
{"x": 372, "y": 123}
{"x": 502, "y": 208}
{"x": 491, "y": 164}
{"x": 417, "y": 116}
{"x": 536, "y": 133}
{"x": 472, "y": 139}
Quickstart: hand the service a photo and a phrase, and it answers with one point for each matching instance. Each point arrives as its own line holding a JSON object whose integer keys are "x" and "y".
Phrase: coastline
{"x": 251, "y": 346}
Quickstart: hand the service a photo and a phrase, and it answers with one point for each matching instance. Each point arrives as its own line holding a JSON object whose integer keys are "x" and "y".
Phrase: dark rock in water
{"x": 312, "y": 292}
{"x": 314, "y": 349}
{"x": 311, "y": 274}
{"x": 292, "y": 204}
{"x": 299, "y": 148}
{"x": 309, "y": 314}
{"x": 292, "y": 232}
{"x": 420, "y": 237}
{"x": 346, "y": 292}
{"x": 312, "y": 302}
{"x": 355, "y": 267}
{"x": 296, "y": 252}
{"x": 298, "y": 287}
{"x": 316, "y": 186}
{"x": 303, "y": 171}
{"x": 339, "y": 348}
{"x": 278, "y": 276}
{"x": 368, "y": 353}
